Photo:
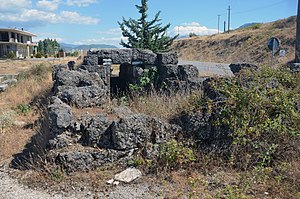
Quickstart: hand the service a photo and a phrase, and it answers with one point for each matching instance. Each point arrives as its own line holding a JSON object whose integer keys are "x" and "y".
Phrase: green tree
{"x": 146, "y": 34}
{"x": 48, "y": 46}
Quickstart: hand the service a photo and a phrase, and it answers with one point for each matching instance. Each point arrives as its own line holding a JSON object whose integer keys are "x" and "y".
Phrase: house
{"x": 17, "y": 41}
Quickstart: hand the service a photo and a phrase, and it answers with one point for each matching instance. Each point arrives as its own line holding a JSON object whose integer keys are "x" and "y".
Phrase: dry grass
{"x": 244, "y": 45}
{"x": 31, "y": 88}
{"x": 160, "y": 105}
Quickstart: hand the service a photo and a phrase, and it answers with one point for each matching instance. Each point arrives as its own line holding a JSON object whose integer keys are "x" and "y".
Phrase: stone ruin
{"x": 82, "y": 135}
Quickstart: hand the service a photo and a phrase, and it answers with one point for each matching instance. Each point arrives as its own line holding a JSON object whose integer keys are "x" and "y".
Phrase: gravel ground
{"x": 10, "y": 188}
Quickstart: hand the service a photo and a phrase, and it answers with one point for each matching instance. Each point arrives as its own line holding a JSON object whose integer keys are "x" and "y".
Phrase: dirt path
{"x": 10, "y": 188}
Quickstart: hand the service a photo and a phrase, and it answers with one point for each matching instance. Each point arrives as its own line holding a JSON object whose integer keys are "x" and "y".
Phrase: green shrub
{"x": 23, "y": 109}
{"x": 38, "y": 55}
{"x": 146, "y": 82}
{"x": 262, "y": 111}
{"x": 174, "y": 154}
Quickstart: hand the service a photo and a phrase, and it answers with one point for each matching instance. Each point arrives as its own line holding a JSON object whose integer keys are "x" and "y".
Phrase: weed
{"x": 57, "y": 174}
{"x": 174, "y": 154}
{"x": 147, "y": 81}
{"x": 6, "y": 119}
{"x": 261, "y": 111}
{"x": 23, "y": 109}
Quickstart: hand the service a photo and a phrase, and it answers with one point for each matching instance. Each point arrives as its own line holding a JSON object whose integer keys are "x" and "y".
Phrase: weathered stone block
{"x": 60, "y": 116}
{"x": 144, "y": 56}
{"x": 237, "y": 67}
{"x": 83, "y": 97}
{"x": 91, "y": 60}
{"x": 167, "y": 58}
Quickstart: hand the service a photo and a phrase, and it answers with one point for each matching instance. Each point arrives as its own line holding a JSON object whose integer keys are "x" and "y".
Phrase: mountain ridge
{"x": 70, "y": 47}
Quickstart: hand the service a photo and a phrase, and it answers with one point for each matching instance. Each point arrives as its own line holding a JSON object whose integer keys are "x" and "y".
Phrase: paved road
{"x": 209, "y": 69}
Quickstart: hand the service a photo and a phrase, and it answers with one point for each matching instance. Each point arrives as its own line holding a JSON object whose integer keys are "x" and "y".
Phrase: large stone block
{"x": 187, "y": 72}
{"x": 136, "y": 130}
{"x": 237, "y": 67}
{"x": 91, "y": 60}
{"x": 167, "y": 58}
{"x": 96, "y": 131}
{"x": 143, "y": 56}
{"x": 83, "y": 97}
{"x": 60, "y": 116}
{"x": 78, "y": 79}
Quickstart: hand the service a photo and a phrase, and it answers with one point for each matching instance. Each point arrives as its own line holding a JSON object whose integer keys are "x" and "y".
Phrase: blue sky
{"x": 95, "y": 21}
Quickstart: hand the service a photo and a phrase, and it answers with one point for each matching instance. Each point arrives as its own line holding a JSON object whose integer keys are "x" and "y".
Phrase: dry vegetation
{"x": 208, "y": 177}
{"x": 24, "y": 103}
{"x": 243, "y": 45}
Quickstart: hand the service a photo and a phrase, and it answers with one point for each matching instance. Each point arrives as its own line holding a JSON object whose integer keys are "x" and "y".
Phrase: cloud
{"x": 113, "y": 31}
{"x": 76, "y": 18}
{"x": 103, "y": 40}
{"x": 193, "y": 27}
{"x": 80, "y": 3}
{"x": 38, "y": 17}
{"x": 14, "y": 6}
{"x": 48, "y": 5}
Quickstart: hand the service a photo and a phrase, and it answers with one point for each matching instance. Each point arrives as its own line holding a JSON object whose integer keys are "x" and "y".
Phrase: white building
{"x": 17, "y": 41}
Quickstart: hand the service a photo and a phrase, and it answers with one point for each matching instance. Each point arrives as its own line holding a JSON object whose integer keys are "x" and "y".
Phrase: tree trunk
{"x": 297, "y": 57}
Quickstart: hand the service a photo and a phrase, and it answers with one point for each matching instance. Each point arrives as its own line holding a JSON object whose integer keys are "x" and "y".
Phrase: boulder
{"x": 88, "y": 159}
{"x": 167, "y": 58}
{"x": 78, "y": 79}
{"x": 128, "y": 175}
{"x": 142, "y": 56}
{"x": 10, "y": 82}
{"x": 60, "y": 116}
{"x": 237, "y": 67}
{"x": 187, "y": 72}
{"x": 91, "y": 59}
{"x": 96, "y": 131}
{"x": 3, "y": 87}
{"x": 83, "y": 97}
{"x": 56, "y": 69}
{"x": 200, "y": 127}
{"x": 295, "y": 67}
{"x": 136, "y": 130}
{"x": 168, "y": 71}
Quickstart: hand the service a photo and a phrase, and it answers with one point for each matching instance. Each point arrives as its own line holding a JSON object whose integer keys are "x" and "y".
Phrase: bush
{"x": 146, "y": 82}
{"x": 38, "y": 72}
{"x": 23, "y": 109}
{"x": 174, "y": 155}
{"x": 38, "y": 55}
{"x": 262, "y": 111}
{"x": 6, "y": 119}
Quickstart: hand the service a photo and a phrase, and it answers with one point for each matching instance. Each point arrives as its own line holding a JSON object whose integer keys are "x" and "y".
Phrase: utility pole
{"x": 219, "y": 24}
{"x": 297, "y": 50}
{"x": 224, "y": 26}
{"x": 229, "y": 18}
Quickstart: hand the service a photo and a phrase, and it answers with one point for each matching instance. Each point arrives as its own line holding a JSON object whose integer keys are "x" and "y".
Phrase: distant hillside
{"x": 242, "y": 45}
{"x": 70, "y": 47}
{"x": 248, "y": 25}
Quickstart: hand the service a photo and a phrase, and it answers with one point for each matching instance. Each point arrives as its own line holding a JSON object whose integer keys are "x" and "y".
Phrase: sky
{"x": 95, "y": 21}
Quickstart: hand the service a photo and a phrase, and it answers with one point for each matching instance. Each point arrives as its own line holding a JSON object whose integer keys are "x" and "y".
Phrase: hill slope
{"x": 242, "y": 45}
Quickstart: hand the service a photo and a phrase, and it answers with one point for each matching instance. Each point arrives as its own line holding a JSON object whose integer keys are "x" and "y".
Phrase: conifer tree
{"x": 146, "y": 34}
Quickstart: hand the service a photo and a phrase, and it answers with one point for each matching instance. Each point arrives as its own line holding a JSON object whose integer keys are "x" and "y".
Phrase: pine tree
{"x": 146, "y": 34}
